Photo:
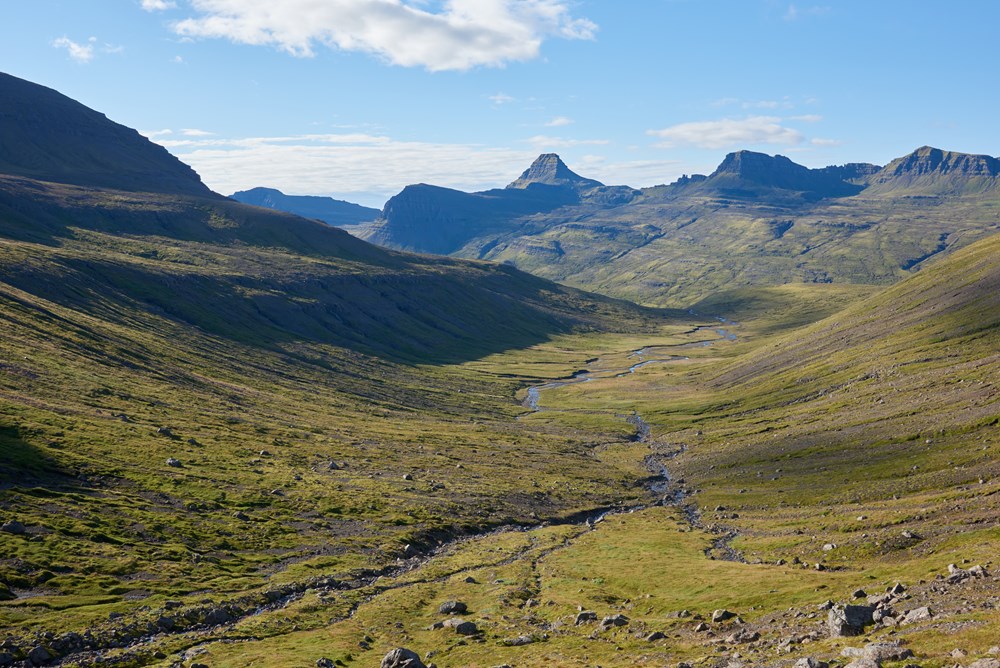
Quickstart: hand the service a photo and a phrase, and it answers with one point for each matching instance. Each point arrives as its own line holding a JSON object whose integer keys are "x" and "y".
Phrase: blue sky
{"x": 357, "y": 98}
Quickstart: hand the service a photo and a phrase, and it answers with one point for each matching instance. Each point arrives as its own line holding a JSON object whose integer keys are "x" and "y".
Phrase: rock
{"x": 165, "y": 431}
{"x": 324, "y": 662}
{"x": 655, "y": 635}
{"x": 586, "y": 616}
{"x": 6, "y": 594}
{"x": 897, "y": 590}
{"x": 979, "y": 572}
{"x": 995, "y": 650}
{"x": 6, "y": 659}
{"x": 332, "y": 466}
{"x": 809, "y": 662}
{"x": 742, "y": 636}
{"x": 701, "y": 627}
{"x": 859, "y": 593}
{"x": 240, "y": 515}
{"x": 829, "y": 547}
{"x": 39, "y": 656}
{"x": 174, "y": 463}
{"x": 918, "y": 615}
{"x": 825, "y": 605}
{"x": 402, "y": 658}
{"x": 466, "y": 629}
{"x": 910, "y": 535}
{"x": 878, "y": 652}
{"x": 407, "y": 476}
{"x": 14, "y": 527}
{"x": 614, "y": 620}
{"x": 959, "y": 653}
{"x": 722, "y": 615}
{"x": 682, "y": 614}
{"x": 216, "y": 617}
{"x": 863, "y": 663}
{"x": 519, "y": 641}
{"x": 848, "y": 620}
{"x": 453, "y": 608}
{"x": 470, "y": 580}
{"x": 985, "y": 663}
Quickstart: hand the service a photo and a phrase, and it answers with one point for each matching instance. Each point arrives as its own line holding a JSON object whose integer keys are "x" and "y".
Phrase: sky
{"x": 356, "y": 99}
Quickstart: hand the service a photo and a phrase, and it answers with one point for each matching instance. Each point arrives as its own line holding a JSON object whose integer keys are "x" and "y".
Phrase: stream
{"x": 669, "y": 492}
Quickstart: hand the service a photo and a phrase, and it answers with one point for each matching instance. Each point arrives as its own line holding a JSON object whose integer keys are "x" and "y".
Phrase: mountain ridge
{"x": 338, "y": 213}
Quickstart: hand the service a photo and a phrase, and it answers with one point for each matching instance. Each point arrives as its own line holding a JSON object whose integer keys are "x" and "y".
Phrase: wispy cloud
{"x": 341, "y": 164}
{"x": 794, "y": 12}
{"x": 818, "y": 141}
{"x": 559, "y": 121}
{"x": 500, "y": 98}
{"x": 158, "y": 5}
{"x": 546, "y": 142}
{"x": 85, "y": 52}
{"x": 806, "y": 118}
{"x": 453, "y": 35}
{"x": 81, "y": 53}
{"x": 155, "y": 134}
{"x": 728, "y": 133}
{"x": 192, "y": 132}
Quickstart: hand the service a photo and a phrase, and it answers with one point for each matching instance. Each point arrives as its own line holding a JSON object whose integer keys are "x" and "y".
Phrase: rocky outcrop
{"x": 550, "y": 170}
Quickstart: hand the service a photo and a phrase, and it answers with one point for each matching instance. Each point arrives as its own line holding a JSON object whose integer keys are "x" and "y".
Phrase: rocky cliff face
{"x": 930, "y": 171}
{"x": 550, "y": 170}
{"x": 747, "y": 173}
{"x": 47, "y": 136}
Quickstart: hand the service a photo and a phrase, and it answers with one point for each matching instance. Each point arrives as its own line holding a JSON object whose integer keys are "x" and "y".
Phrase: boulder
{"x": 809, "y": 662}
{"x": 742, "y": 636}
{"x": 39, "y": 656}
{"x": 848, "y": 620}
{"x": 655, "y": 635}
{"x": 586, "y": 616}
{"x": 614, "y": 620}
{"x": 453, "y": 608}
{"x": 402, "y": 658}
{"x": 519, "y": 641}
{"x": 985, "y": 663}
{"x": 722, "y": 615}
{"x": 324, "y": 662}
{"x": 918, "y": 615}
{"x": 14, "y": 527}
{"x": 466, "y": 629}
{"x": 173, "y": 463}
{"x": 878, "y": 652}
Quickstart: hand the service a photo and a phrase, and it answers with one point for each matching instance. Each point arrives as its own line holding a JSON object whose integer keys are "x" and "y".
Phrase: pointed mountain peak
{"x": 549, "y": 169}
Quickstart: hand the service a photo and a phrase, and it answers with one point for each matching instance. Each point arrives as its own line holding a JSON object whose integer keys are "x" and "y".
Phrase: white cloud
{"x": 81, "y": 53}
{"x": 500, "y": 98}
{"x": 158, "y": 5}
{"x": 727, "y": 133}
{"x": 191, "y": 132}
{"x": 546, "y": 142}
{"x": 179, "y": 60}
{"x": 153, "y": 134}
{"x": 818, "y": 141}
{"x": 460, "y": 35}
{"x": 559, "y": 121}
{"x": 806, "y": 118}
{"x": 794, "y": 12}
{"x": 361, "y": 167}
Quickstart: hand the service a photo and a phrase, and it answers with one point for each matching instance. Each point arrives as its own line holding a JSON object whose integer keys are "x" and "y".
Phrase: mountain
{"x": 747, "y": 174}
{"x": 932, "y": 172}
{"x": 331, "y": 211}
{"x": 756, "y": 222}
{"x": 550, "y": 170}
{"x": 217, "y": 404}
{"x": 47, "y": 136}
{"x": 431, "y": 219}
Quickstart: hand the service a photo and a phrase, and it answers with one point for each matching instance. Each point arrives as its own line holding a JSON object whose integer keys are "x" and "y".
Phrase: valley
{"x": 233, "y": 436}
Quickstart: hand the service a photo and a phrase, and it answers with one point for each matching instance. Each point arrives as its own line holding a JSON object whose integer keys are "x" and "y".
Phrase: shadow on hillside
{"x": 426, "y": 317}
{"x": 25, "y": 465}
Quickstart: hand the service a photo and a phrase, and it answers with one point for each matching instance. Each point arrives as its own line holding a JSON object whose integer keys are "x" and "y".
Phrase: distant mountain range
{"x": 331, "y": 211}
{"x": 757, "y": 220}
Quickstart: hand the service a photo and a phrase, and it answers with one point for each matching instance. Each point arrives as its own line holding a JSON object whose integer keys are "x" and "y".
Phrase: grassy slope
{"x": 676, "y": 250}
{"x": 249, "y": 336}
